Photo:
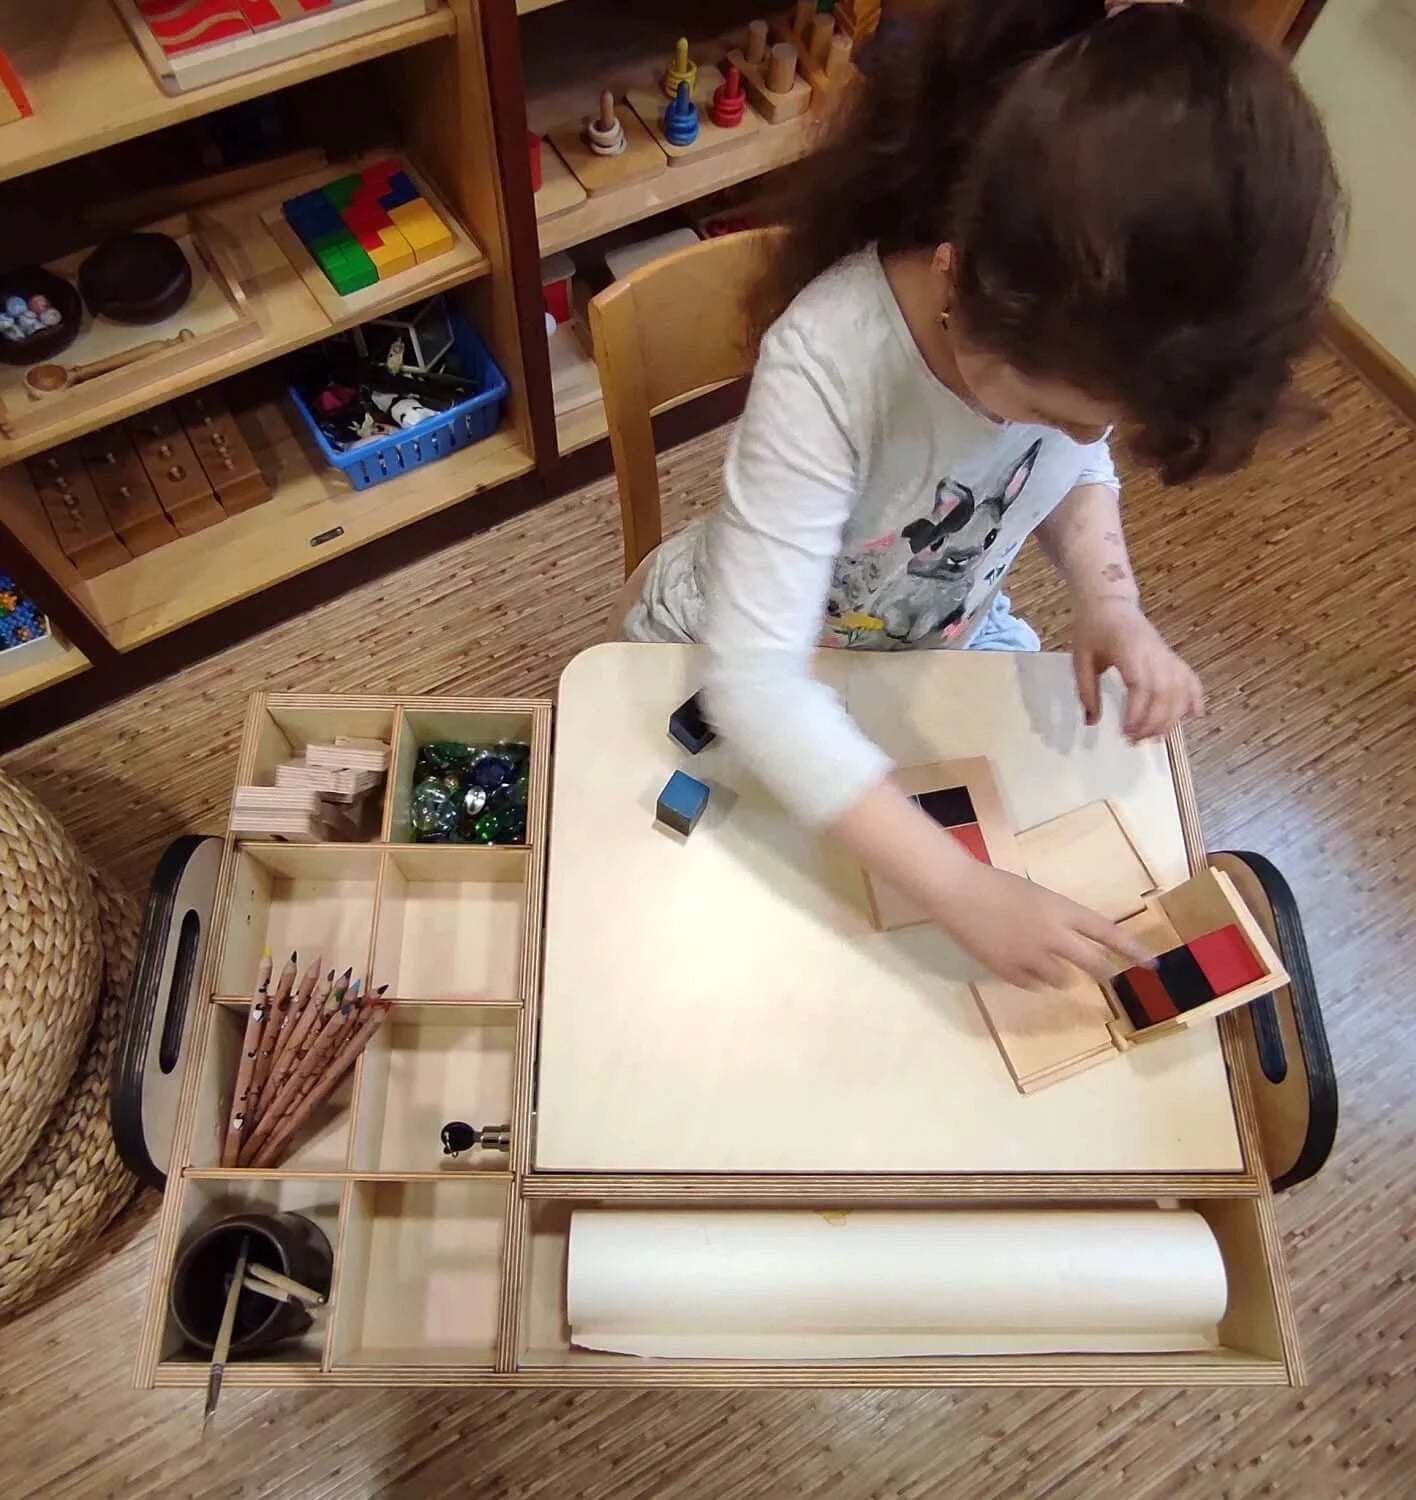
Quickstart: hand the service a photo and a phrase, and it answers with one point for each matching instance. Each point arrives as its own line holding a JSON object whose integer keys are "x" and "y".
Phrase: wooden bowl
{"x": 30, "y": 281}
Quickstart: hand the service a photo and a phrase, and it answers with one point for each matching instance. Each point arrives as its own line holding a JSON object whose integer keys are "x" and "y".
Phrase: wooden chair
{"x": 665, "y": 332}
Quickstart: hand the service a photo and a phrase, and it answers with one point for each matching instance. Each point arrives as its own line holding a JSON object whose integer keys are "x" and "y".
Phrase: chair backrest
{"x": 671, "y": 328}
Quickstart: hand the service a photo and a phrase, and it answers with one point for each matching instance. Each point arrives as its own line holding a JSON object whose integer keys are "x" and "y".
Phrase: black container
{"x": 136, "y": 278}
{"x": 29, "y": 281}
{"x": 288, "y": 1243}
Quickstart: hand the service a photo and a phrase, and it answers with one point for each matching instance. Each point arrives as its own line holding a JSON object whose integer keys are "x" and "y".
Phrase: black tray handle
{"x": 1286, "y": 1045}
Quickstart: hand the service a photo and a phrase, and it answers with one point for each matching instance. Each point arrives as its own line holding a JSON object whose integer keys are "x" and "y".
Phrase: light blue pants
{"x": 1001, "y": 630}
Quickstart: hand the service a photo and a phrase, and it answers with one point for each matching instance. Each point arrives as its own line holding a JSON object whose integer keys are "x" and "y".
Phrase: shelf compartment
{"x": 427, "y": 1065}
{"x": 451, "y": 923}
{"x": 1251, "y": 1333}
{"x": 91, "y": 88}
{"x": 302, "y": 898}
{"x": 322, "y": 1145}
{"x": 418, "y": 1279}
{"x": 254, "y": 256}
{"x": 283, "y": 733}
{"x": 42, "y": 670}
{"x": 312, "y": 515}
{"x": 204, "y": 1203}
{"x": 423, "y": 726}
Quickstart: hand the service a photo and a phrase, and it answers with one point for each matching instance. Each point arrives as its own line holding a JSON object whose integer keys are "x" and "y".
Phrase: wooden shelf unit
{"x": 464, "y": 83}
{"x": 19, "y": 682}
{"x": 90, "y": 87}
{"x": 452, "y": 1271}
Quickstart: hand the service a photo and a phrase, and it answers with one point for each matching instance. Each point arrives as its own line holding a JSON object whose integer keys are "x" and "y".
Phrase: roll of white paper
{"x": 867, "y": 1283}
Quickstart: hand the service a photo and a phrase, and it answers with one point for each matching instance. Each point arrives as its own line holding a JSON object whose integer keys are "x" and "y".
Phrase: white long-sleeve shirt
{"x": 865, "y": 506}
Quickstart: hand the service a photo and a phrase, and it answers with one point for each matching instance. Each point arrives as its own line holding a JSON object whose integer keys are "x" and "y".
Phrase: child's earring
{"x": 944, "y": 319}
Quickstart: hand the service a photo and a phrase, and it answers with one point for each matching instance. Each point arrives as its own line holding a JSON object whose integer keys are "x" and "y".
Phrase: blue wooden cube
{"x": 681, "y": 803}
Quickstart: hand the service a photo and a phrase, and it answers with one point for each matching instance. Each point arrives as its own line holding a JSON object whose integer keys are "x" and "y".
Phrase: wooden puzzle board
{"x": 725, "y": 1004}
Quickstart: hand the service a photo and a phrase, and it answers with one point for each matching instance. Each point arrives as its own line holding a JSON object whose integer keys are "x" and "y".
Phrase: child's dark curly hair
{"x": 1143, "y": 206}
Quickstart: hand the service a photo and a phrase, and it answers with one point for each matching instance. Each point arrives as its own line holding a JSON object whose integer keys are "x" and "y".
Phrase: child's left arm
{"x": 1084, "y": 541}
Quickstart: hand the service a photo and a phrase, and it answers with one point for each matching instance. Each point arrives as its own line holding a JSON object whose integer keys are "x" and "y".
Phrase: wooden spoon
{"x": 46, "y": 380}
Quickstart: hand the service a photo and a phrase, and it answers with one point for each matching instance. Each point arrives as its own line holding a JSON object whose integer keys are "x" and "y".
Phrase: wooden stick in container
{"x": 250, "y": 1046}
{"x": 370, "y": 1018}
{"x": 222, "y": 1349}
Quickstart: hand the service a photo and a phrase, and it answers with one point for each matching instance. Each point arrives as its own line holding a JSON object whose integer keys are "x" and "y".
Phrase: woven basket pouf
{"x": 72, "y": 1183}
{"x": 49, "y": 964}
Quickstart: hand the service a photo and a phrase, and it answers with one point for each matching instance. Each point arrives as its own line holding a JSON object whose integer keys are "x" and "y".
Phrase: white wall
{"x": 1359, "y": 65}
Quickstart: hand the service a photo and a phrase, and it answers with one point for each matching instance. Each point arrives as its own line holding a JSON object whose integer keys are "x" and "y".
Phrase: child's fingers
{"x": 1114, "y": 939}
{"x": 1088, "y": 683}
{"x": 1140, "y": 698}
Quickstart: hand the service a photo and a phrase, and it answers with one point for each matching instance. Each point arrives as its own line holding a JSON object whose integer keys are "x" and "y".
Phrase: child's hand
{"x": 1160, "y": 689}
{"x": 1030, "y": 936}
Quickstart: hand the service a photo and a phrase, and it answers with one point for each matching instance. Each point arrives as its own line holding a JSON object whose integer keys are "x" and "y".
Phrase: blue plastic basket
{"x": 468, "y": 422}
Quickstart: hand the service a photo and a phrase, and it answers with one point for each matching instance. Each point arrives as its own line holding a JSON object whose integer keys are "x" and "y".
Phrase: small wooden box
{"x": 452, "y": 1271}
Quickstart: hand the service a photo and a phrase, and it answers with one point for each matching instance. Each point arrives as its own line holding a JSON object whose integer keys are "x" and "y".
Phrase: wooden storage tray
{"x": 452, "y": 1271}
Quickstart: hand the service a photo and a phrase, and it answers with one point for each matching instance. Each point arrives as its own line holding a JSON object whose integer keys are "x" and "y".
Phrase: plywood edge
{"x": 804, "y": 1189}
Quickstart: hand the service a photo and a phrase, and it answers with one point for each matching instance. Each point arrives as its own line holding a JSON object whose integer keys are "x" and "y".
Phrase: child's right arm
{"x": 791, "y": 484}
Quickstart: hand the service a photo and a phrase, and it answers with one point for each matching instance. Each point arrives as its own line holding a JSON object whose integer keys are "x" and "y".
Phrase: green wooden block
{"x": 341, "y": 191}
{"x": 350, "y": 270}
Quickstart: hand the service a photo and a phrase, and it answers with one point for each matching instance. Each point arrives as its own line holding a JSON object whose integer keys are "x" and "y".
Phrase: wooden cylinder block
{"x": 756, "y": 42}
{"x": 838, "y": 58}
{"x": 781, "y": 69}
{"x": 823, "y": 28}
{"x": 803, "y": 15}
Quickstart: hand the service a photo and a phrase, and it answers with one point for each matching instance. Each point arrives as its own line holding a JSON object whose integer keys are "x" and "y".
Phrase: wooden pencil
{"x": 370, "y": 1018}
{"x": 222, "y": 1350}
{"x": 295, "y": 1084}
{"x": 307, "y": 1025}
{"x": 278, "y": 1027}
{"x": 250, "y": 1046}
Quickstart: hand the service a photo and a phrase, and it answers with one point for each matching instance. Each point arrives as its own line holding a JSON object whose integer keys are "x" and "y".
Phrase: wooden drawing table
{"x": 702, "y": 1024}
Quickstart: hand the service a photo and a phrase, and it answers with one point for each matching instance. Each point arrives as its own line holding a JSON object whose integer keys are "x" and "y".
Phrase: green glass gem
{"x": 433, "y": 813}
{"x": 486, "y": 828}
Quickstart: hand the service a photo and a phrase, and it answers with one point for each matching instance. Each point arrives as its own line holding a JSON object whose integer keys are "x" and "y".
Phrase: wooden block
{"x": 71, "y": 503}
{"x": 823, "y": 54}
{"x": 858, "y": 19}
{"x": 560, "y": 189}
{"x": 423, "y": 228}
{"x": 390, "y": 252}
{"x": 681, "y": 803}
{"x": 891, "y": 908}
{"x": 341, "y": 757}
{"x": 174, "y": 470}
{"x": 640, "y": 159}
{"x": 125, "y": 491}
{"x": 1151, "y": 927}
{"x": 1047, "y": 1035}
{"x": 775, "y": 106}
{"x": 649, "y": 104}
{"x": 222, "y": 450}
{"x": 1088, "y": 856}
{"x": 1227, "y": 960}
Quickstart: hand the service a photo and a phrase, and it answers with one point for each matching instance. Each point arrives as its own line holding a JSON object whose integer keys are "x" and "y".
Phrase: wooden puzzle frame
{"x": 484, "y": 1245}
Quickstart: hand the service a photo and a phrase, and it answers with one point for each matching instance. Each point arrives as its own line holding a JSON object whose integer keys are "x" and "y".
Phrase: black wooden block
{"x": 1184, "y": 980}
{"x": 688, "y": 726}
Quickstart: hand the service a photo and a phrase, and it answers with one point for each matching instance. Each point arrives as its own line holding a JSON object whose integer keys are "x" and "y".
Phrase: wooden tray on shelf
{"x": 217, "y": 314}
{"x": 453, "y": 1271}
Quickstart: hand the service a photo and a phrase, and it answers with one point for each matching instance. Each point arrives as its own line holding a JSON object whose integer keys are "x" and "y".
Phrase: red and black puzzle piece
{"x": 1188, "y": 977}
{"x": 953, "y": 809}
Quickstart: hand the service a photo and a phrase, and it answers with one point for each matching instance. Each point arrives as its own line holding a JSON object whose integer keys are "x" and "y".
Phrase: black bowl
{"x": 30, "y": 281}
{"x": 136, "y": 278}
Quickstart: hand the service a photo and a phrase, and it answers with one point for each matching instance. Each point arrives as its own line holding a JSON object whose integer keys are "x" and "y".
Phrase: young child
{"x": 1047, "y": 223}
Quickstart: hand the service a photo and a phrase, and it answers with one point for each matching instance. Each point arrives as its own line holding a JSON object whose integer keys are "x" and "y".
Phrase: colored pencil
{"x": 370, "y": 1018}
{"x": 306, "y": 1026}
{"x": 250, "y": 1046}
{"x": 300, "y": 1075}
{"x": 277, "y": 1034}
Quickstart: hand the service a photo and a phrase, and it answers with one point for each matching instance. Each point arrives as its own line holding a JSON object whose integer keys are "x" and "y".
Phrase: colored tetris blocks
{"x": 1187, "y": 977}
{"x": 367, "y": 226}
{"x": 681, "y": 803}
